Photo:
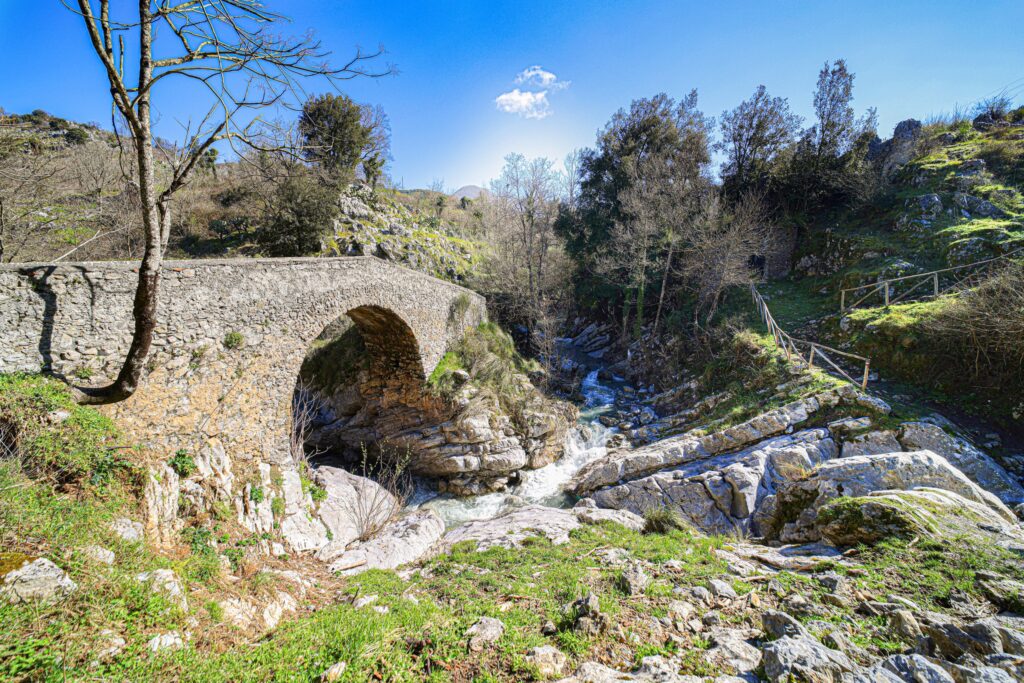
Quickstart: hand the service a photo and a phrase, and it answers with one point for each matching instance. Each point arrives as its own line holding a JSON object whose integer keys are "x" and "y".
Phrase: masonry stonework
{"x": 227, "y": 403}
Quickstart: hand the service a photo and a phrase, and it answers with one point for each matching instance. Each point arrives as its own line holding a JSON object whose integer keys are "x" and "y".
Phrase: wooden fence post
{"x": 867, "y": 370}
{"x": 935, "y": 283}
{"x": 886, "y": 286}
{"x": 842, "y": 300}
{"x": 810, "y": 359}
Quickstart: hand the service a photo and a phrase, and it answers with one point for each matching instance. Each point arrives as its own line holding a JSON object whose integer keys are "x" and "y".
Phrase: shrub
{"x": 277, "y": 507}
{"x": 981, "y": 332}
{"x": 662, "y": 521}
{"x": 996, "y": 107}
{"x": 256, "y": 494}
{"x": 233, "y": 340}
{"x": 76, "y": 136}
{"x": 183, "y": 464}
{"x": 298, "y": 214}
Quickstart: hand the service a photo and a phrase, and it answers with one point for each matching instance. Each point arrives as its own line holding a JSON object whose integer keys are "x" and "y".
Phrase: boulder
{"x": 128, "y": 530}
{"x": 400, "y": 542}
{"x": 485, "y": 631}
{"x": 635, "y": 578}
{"x": 547, "y": 660}
{"x": 512, "y": 528}
{"x": 798, "y": 502}
{"x": 778, "y": 624}
{"x": 39, "y": 581}
{"x": 804, "y": 660}
{"x": 353, "y": 505}
{"x": 964, "y": 456}
{"x": 731, "y": 651}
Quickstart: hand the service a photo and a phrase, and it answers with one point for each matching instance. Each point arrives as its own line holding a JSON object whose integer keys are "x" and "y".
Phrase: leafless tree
{"x": 528, "y": 268}
{"x": 720, "y": 244}
{"x": 229, "y": 49}
{"x": 26, "y": 185}
{"x": 383, "y": 492}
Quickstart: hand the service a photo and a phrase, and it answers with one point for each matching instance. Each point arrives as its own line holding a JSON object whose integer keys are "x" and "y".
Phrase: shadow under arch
{"x": 362, "y": 383}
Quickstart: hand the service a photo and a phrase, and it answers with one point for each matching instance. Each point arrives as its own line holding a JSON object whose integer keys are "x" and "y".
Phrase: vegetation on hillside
{"x": 421, "y": 635}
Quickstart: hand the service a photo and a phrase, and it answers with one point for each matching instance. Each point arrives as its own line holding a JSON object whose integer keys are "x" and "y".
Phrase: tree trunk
{"x": 664, "y": 283}
{"x": 144, "y": 308}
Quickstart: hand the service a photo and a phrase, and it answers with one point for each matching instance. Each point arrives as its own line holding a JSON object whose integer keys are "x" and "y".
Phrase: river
{"x": 584, "y": 443}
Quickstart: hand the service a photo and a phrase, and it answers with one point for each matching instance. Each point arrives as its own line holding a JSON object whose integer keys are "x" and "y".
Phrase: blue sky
{"x": 912, "y": 58}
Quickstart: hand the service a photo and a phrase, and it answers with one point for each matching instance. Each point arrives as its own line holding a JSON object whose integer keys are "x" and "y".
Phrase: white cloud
{"x": 537, "y": 76}
{"x": 530, "y": 105}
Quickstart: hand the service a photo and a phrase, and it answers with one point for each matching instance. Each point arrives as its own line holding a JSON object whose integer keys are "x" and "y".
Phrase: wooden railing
{"x": 885, "y": 288}
{"x": 792, "y": 346}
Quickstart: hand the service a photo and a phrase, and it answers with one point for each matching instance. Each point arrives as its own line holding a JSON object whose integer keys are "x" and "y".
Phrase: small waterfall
{"x": 583, "y": 444}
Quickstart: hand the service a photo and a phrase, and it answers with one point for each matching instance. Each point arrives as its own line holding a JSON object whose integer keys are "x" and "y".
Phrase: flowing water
{"x": 543, "y": 486}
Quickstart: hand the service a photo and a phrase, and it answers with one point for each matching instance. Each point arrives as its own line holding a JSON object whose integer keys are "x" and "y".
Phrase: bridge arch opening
{"x": 361, "y": 384}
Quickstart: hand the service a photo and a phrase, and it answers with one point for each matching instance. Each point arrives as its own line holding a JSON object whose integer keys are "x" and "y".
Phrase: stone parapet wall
{"x": 228, "y": 405}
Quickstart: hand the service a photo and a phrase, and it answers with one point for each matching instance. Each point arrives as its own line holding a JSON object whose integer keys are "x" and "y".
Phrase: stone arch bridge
{"x": 231, "y": 339}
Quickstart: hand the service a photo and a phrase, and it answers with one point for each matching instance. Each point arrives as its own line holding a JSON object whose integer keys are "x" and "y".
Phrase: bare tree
{"x": 26, "y": 185}
{"x": 230, "y": 50}
{"x": 721, "y": 242}
{"x": 526, "y": 200}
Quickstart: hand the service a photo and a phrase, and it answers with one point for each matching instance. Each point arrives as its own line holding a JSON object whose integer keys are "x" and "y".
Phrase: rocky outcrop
{"x": 964, "y": 456}
{"x": 725, "y": 493}
{"x": 623, "y": 465}
{"x": 795, "y": 512}
{"x": 512, "y": 528}
{"x": 400, "y": 542}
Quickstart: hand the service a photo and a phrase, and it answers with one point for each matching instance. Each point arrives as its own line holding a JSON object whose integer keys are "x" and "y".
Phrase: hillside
{"x": 958, "y": 201}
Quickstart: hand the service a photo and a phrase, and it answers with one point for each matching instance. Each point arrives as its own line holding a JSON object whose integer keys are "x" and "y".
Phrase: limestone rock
{"x": 652, "y": 670}
{"x": 731, "y": 650}
{"x": 301, "y": 532}
{"x": 512, "y": 528}
{"x": 626, "y": 465}
{"x": 594, "y": 515}
{"x": 165, "y": 581}
{"x": 778, "y": 624}
{"x": 804, "y": 660}
{"x": 635, "y": 578}
{"x": 38, "y": 581}
{"x": 128, "y": 530}
{"x": 912, "y": 668}
{"x": 160, "y": 499}
{"x": 99, "y": 554}
{"x": 724, "y": 493}
{"x": 799, "y": 501}
{"x": 484, "y": 632}
{"x": 960, "y": 453}
{"x": 353, "y": 504}
{"x": 171, "y": 640}
{"x": 871, "y": 443}
{"x": 401, "y": 542}
{"x": 547, "y": 660}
